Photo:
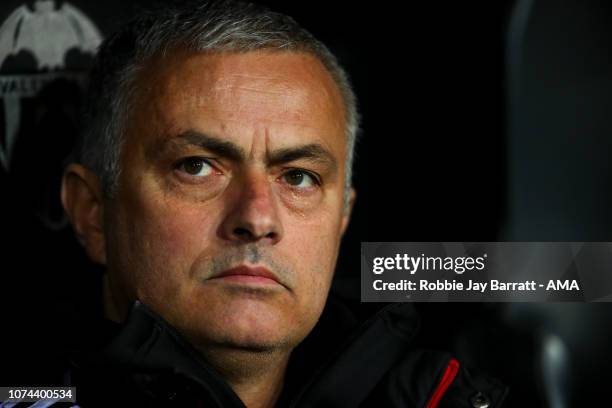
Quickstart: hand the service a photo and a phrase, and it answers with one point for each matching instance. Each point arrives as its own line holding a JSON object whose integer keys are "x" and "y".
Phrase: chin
{"x": 258, "y": 333}
{"x": 249, "y": 333}
{"x": 256, "y": 343}
{"x": 241, "y": 322}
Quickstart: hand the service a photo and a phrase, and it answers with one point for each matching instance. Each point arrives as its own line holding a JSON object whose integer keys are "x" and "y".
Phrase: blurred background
{"x": 482, "y": 121}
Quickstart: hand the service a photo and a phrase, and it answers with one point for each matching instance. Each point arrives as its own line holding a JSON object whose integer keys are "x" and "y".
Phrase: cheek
{"x": 316, "y": 261}
{"x": 163, "y": 241}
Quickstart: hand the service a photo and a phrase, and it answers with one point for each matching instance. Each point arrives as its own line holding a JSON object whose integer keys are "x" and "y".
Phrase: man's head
{"x": 219, "y": 145}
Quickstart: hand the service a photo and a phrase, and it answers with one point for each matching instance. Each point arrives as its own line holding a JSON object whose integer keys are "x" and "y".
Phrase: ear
{"x": 83, "y": 202}
{"x": 346, "y": 217}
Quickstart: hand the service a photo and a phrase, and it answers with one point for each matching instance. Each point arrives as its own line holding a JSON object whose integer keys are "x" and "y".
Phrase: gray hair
{"x": 215, "y": 26}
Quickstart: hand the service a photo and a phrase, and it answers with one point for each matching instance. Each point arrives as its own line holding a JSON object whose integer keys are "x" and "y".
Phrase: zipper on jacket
{"x": 447, "y": 379}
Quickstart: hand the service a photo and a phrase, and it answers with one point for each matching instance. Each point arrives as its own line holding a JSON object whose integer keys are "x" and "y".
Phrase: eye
{"x": 300, "y": 179}
{"x": 195, "y": 166}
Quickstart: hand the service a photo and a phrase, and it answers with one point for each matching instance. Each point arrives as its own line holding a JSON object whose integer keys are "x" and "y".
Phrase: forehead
{"x": 258, "y": 89}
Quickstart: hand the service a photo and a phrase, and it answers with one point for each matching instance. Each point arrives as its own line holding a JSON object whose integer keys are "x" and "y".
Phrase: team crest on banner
{"x": 43, "y": 35}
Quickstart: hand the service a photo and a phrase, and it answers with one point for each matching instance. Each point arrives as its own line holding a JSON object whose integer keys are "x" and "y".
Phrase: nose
{"x": 252, "y": 212}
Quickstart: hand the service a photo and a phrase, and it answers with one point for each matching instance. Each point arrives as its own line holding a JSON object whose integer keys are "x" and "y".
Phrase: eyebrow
{"x": 214, "y": 144}
{"x": 312, "y": 152}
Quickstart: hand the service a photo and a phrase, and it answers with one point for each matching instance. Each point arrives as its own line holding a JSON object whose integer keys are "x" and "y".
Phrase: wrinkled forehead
{"x": 254, "y": 88}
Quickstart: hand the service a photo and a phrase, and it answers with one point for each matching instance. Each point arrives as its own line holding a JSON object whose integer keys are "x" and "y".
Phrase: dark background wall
{"x": 482, "y": 121}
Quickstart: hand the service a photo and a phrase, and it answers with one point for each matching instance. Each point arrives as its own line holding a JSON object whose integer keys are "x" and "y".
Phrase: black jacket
{"x": 340, "y": 364}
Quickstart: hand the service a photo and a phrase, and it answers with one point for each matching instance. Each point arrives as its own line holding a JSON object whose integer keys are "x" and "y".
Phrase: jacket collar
{"x": 337, "y": 348}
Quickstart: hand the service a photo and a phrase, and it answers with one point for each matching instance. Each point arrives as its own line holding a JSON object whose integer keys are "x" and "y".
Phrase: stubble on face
{"x": 168, "y": 235}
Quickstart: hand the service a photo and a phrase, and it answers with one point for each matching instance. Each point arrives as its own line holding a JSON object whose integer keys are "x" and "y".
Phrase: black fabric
{"x": 416, "y": 376}
{"x": 152, "y": 365}
{"x": 342, "y": 363}
{"x": 467, "y": 387}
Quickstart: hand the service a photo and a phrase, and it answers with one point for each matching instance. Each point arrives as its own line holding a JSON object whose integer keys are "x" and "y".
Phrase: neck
{"x": 112, "y": 306}
{"x": 257, "y": 377}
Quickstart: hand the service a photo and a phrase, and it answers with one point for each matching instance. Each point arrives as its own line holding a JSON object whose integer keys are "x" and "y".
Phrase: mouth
{"x": 248, "y": 275}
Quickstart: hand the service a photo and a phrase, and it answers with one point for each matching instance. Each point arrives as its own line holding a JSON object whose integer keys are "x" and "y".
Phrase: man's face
{"x": 233, "y": 164}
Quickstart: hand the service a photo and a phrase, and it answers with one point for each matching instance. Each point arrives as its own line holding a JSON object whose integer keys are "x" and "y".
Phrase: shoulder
{"x": 377, "y": 366}
{"x": 434, "y": 379}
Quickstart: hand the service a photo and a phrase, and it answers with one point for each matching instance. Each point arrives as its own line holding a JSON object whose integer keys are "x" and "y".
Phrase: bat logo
{"x": 39, "y": 45}
{"x": 48, "y": 34}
